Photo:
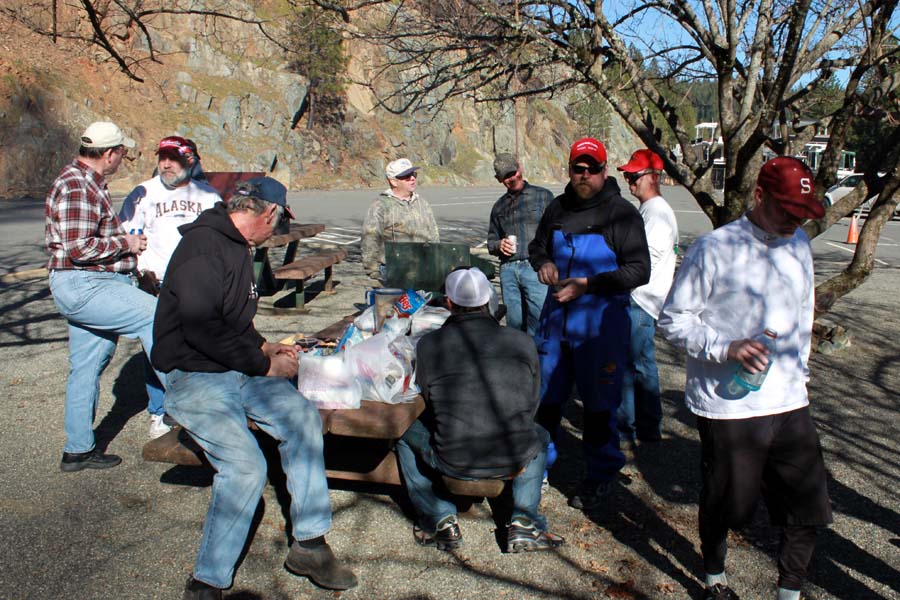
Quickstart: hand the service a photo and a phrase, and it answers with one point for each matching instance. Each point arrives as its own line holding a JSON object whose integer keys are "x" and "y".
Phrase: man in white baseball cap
{"x": 397, "y": 215}
{"x": 92, "y": 267}
{"x": 478, "y": 422}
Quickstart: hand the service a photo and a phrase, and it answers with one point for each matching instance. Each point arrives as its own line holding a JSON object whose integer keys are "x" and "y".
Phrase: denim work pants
{"x": 421, "y": 475}
{"x": 213, "y": 408}
{"x": 640, "y": 414}
{"x": 99, "y": 307}
{"x": 155, "y": 391}
{"x": 523, "y": 295}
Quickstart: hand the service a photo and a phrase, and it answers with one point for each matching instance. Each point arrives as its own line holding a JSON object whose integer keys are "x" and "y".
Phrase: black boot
{"x": 76, "y": 461}
{"x": 320, "y": 566}
{"x": 197, "y": 590}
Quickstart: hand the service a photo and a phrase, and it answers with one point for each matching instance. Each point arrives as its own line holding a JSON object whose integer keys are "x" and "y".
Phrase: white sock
{"x": 784, "y": 594}
{"x": 720, "y": 578}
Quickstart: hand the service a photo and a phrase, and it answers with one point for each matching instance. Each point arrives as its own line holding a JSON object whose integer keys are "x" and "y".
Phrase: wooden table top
{"x": 298, "y": 231}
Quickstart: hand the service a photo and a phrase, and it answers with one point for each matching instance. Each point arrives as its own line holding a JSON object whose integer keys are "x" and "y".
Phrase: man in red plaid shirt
{"x": 92, "y": 264}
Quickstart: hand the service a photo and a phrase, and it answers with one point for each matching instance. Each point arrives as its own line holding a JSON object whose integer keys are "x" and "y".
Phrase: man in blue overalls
{"x": 591, "y": 247}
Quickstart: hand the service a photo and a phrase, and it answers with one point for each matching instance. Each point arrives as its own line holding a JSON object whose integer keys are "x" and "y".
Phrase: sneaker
{"x": 522, "y": 535}
{"x": 158, "y": 428}
{"x": 320, "y": 565}
{"x": 591, "y": 496}
{"x": 447, "y": 537}
{"x": 76, "y": 461}
{"x": 197, "y": 590}
{"x": 720, "y": 592}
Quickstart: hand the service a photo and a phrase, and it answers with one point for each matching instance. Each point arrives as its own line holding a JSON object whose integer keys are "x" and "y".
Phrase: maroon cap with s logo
{"x": 790, "y": 182}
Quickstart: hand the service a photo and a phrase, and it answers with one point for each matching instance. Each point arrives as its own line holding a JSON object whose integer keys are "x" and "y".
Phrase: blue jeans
{"x": 213, "y": 408}
{"x": 432, "y": 503}
{"x": 99, "y": 307}
{"x": 640, "y": 413}
{"x": 523, "y": 295}
{"x": 155, "y": 391}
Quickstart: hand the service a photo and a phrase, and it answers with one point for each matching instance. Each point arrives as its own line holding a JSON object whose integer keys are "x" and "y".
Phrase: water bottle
{"x": 743, "y": 380}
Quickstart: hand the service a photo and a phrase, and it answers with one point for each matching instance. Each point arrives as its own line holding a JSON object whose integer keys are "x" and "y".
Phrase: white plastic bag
{"x": 395, "y": 325}
{"x": 365, "y": 322}
{"x": 384, "y": 367}
{"x": 328, "y": 382}
{"x": 428, "y": 318}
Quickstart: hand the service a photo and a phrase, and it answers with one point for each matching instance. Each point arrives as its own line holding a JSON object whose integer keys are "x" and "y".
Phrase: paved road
{"x": 462, "y": 215}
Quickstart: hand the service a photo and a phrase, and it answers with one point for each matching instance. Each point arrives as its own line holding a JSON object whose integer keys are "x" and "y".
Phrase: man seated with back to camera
{"x": 480, "y": 382}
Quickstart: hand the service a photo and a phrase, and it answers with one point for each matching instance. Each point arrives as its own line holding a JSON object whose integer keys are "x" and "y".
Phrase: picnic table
{"x": 359, "y": 443}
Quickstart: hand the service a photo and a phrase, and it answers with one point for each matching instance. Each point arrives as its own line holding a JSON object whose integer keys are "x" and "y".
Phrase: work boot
{"x": 522, "y": 535}
{"x": 195, "y": 589}
{"x": 320, "y": 566}
{"x": 76, "y": 461}
{"x": 447, "y": 537}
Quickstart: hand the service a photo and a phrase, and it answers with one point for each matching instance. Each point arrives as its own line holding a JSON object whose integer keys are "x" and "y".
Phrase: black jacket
{"x": 481, "y": 384}
{"x": 204, "y": 317}
{"x": 606, "y": 213}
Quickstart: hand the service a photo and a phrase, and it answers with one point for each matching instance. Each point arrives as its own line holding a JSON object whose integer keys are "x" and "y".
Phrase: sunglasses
{"x": 407, "y": 177}
{"x": 632, "y": 178}
{"x": 593, "y": 169}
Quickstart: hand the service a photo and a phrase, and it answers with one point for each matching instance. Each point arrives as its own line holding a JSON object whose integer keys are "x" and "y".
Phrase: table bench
{"x": 295, "y": 273}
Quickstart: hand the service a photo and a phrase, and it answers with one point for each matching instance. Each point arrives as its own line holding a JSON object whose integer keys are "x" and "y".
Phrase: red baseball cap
{"x": 642, "y": 160}
{"x": 175, "y": 147}
{"x": 789, "y": 181}
{"x": 588, "y": 147}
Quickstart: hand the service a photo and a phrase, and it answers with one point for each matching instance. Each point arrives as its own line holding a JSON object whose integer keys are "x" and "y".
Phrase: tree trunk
{"x": 860, "y": 267}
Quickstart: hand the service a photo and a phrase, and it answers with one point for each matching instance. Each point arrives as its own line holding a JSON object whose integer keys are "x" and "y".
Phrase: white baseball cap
{"x": 399, "y": 168}
{"x": 468, "y": 287}
{"x": 104, "y": 134}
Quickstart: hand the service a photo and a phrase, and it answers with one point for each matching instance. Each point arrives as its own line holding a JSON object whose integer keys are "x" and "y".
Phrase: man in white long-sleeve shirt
{"x": 753, "y": 274}
{"x": 640, "y": 414}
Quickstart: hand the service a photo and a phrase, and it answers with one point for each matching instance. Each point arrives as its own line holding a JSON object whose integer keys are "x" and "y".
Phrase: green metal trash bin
{"x": 424, "y": 265}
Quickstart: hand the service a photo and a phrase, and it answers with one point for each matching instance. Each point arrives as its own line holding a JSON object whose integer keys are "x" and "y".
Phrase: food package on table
{"x": 384, "y": 367}
{"x": 428, "y": 318}
{"x": 328, "y": 382}
{"x": 411, "y": 302}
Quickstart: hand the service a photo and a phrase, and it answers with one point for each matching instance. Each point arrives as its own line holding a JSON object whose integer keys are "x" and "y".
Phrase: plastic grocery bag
{"x": 366, "y": 320}
{"x": 328, "y": 382}
{"x": 384, "y": 367}
{"x": 395, "y": 325}
{"x": 428, "y": 318}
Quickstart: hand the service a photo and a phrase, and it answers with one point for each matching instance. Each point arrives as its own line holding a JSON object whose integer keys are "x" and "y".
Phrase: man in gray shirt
{"x": 517, "y": 213}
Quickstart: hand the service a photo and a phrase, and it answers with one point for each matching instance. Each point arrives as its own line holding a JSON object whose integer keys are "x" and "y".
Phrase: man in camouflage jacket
{"x": 397, "y": 215}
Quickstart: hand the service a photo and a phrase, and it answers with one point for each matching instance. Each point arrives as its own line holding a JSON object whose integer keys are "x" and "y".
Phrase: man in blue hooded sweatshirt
{"x": 591, "y": 247}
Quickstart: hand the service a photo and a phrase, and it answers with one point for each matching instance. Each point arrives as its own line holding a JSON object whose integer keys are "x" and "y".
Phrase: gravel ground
{"x": 132, "y": 531}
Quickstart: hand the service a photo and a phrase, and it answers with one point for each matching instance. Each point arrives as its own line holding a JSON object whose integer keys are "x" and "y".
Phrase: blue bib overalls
{"x": 585, "y": 341}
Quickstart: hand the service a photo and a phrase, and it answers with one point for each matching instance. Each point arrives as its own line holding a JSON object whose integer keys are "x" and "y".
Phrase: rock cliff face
{"x": 243, "y": 108}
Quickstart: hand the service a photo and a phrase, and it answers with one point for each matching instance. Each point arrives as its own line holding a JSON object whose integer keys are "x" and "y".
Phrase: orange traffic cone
{"x": 853, "y": 232}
